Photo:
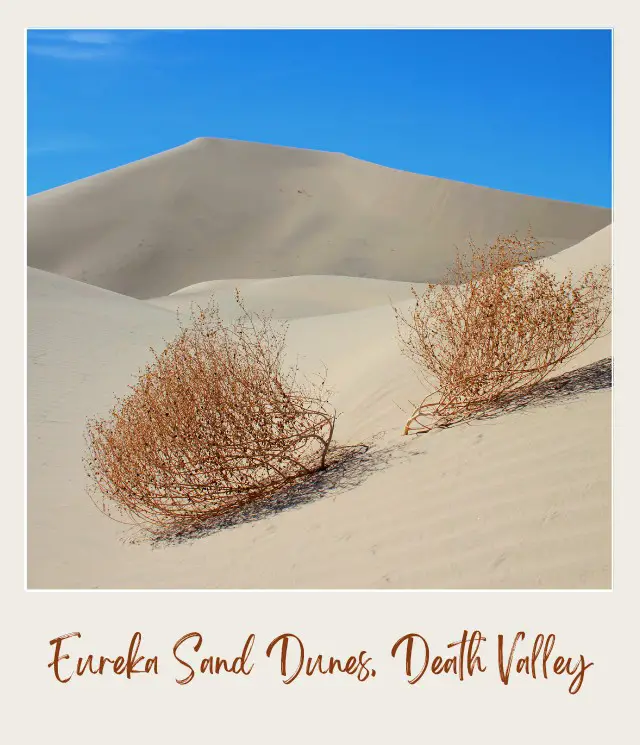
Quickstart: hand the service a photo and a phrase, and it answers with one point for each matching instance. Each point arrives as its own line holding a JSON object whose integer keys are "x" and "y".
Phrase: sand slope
{"x": 292, "y": 297}
{"x": 221, "y": 209}
{"x": 520, "y": 501}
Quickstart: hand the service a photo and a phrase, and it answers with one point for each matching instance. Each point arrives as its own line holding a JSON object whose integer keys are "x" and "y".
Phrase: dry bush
{"x": 215, "y": 421}
{"x": 499, "y": 324}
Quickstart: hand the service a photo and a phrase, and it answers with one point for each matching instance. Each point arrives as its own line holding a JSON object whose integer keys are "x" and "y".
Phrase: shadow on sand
{"x": 594, "y": 377}
{"x": 349, "y": 468}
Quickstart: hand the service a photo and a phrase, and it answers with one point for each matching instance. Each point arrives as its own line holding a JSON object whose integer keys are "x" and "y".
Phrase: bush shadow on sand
{"x": 348, "y": 468}
{"x": 558, "y": 390}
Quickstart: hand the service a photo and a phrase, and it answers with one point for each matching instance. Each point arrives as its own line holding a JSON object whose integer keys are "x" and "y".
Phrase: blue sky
{"x": 525, "y": 111}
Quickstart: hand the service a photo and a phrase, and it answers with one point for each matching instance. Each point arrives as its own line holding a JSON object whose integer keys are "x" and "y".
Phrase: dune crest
{"x": 225, "y": 209}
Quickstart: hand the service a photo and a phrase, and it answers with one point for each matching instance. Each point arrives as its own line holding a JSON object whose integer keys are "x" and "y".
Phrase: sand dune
{"x": 593, "y": 251}
{"x": 519, "y": 501}
{"x": 222, "y": 209}
{"x": 292, "y": 297}
{"x": 303, "y": 296}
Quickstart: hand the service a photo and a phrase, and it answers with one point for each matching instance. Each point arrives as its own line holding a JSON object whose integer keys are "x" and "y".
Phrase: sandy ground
{"x": 220, "y": 209}
{"x": 518, "y": 501}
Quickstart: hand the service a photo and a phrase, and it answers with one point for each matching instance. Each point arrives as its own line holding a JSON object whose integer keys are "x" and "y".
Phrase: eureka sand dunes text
{"x": 520, "y": 654}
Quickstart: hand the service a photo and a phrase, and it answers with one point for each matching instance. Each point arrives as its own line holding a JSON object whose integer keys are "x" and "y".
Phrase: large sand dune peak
{"x": 220, "y": 209}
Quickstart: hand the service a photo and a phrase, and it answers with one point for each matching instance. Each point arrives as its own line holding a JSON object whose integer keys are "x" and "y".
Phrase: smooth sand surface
{"x": 291, "y": 297}
{"x": 519, "y": 501}
{"x": 221, "y": 209}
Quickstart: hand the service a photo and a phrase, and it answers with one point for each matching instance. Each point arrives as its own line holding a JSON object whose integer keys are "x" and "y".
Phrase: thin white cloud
{"x": 58, "y": 144}
{"x": 92, "y": 37}
{"x": 78, "y": 44}
{"x": 60, "y": 51}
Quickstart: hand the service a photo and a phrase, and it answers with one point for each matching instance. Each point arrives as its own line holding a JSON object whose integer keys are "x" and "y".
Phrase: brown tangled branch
{"x": 500, "y": 324}
{"x": 215, "y": 421}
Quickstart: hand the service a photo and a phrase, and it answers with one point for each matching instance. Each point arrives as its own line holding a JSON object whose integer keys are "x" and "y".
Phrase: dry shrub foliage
{"x": 215, "y": 421}
{"x": 501, "y": 323}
